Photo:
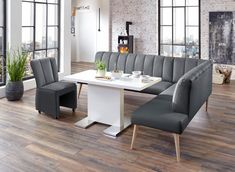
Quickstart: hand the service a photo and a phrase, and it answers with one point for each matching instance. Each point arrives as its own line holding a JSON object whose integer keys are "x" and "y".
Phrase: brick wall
{"x": 143, "y": 14}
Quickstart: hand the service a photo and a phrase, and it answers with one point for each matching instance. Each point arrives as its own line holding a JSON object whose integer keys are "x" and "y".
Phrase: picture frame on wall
{"x": 222, "y": 37}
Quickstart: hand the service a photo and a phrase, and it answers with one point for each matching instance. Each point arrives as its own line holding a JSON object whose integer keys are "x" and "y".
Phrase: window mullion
{"x": 190, "y": 46}
{"x": 172, "y": 48}
{"x": 46, "y": 37}
{"x": 46, "y": 28}
{"x": 185, "y": 31}
{"x": 34, "y": 29}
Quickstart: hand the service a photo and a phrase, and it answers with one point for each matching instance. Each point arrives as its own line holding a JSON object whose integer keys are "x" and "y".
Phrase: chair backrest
{"x": 45, "y": 71}
{"x": 168, "y": 68}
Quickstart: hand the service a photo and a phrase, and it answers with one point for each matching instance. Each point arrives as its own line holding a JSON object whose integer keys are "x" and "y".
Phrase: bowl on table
{"x": 136, "y": 74}
{"x": 145, "y": 78}
{"x": 116, "y": 74}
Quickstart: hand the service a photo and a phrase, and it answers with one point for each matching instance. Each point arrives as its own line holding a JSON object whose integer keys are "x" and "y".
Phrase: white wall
{"x": 103, "y": 37}
{"x": 14, "y": 36}
{"x": 65, "y": 65}
{"x": 73, "y": 39}
{"x": 88, "y": 40}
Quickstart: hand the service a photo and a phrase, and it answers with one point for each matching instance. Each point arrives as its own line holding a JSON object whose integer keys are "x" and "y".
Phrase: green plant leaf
{"x": 16, "y": 62}
{"x": 100, "y": 65}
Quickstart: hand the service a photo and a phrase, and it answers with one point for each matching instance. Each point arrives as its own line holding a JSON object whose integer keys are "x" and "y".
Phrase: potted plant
{"x": 16, "y": 62}
{"x": 101, "y": 68}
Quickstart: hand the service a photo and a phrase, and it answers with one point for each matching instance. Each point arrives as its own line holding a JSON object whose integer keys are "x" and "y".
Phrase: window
{"x": 40, "y": 30}
{"x": 179, "y": 28}
{"x": 2, "y": 42}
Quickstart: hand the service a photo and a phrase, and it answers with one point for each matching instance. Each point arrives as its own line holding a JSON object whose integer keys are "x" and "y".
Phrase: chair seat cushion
{"x": 158, "y": 114}
{"x": 60, "y": 87}
{"x": 158, "y": 88}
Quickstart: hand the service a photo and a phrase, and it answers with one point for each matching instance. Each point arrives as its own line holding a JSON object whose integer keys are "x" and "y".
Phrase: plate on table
{"x": 106, "y": 78}
{"x": 126, "y": 77}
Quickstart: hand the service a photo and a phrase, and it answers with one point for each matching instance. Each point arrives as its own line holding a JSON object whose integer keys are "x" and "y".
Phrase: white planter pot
{"x": 100, "y": 73}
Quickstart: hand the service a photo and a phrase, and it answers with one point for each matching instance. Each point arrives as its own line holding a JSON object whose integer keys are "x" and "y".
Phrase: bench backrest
{"x": 168, "y": 68}
{"x": 193, "y": 89}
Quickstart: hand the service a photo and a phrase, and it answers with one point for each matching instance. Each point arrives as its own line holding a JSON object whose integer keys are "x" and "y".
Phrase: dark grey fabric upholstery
{"x": 201, "y": 87}
{"x": 168, "y": 68}
{"x": 158, "y": 114}
{"x": 60, "y": 88}
{"x": 130, "y": 63}
{"x": 179, "y": 68}
{"x": 186, "y": 84}
{"x": 175, "y": 107}
{"x": 139, "y": 62}
{"x": 158, "y": 66}
{"x": 167, "y": 73}
{"x": 158, "y": 88}
{"x": 113, "y": 61}
{"x": 180, "y": 100}
{"x": 148, "y": 65}
{"x": 168, "y": 93}
{"x": 51, "y": 93}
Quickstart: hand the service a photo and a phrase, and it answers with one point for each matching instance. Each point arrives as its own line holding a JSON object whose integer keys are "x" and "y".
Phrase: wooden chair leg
{"x": 134, "y": 136}
{"x": 80, "y": 89}
{"x": 207, "y": 104}
{"x": 177, "y": 146}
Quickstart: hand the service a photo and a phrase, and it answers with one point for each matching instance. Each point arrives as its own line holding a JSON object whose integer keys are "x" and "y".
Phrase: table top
{"x": 130, "y": 83}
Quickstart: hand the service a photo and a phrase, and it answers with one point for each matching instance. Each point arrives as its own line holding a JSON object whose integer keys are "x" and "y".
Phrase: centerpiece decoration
{"x": 101, "y": 69}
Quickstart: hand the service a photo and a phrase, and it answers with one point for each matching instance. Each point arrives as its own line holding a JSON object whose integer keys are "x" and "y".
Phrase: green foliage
{"x": 16, "y": 62}
{"x": 100, "y": 65}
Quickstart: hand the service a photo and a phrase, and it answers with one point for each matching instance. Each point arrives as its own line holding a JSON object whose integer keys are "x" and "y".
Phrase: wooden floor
{"x": 30, "y": 142}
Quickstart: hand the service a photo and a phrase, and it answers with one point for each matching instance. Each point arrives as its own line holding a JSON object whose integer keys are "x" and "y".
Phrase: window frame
{"x": 4, "y": 28}
{"x": 58, "y": 26}
{"x": 185, "y": 27}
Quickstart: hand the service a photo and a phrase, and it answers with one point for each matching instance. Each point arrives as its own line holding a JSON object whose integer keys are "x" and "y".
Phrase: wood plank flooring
{"x": 30, "y": 142}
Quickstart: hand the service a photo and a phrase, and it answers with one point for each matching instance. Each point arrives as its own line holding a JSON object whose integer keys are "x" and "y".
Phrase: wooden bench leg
{"x": 207, "y": 104}
{"x": 177, "y": 146}
{"x": 134, "y": 136}
{"x": 80, "y": 89}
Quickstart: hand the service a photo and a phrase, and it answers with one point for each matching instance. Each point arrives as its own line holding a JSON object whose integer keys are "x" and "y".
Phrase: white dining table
{"x": 106, "y": 99}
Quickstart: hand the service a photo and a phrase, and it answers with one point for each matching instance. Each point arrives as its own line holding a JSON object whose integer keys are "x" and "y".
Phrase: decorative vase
{"x": 100, "y": 73}
{"x": 14, "y": 90}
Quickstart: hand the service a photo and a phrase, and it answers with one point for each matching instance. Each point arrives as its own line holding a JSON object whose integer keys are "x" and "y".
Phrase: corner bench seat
{"x": 158, "y": 88}
{"x": 186, "y": 85}
{"x": 158, "y": 113}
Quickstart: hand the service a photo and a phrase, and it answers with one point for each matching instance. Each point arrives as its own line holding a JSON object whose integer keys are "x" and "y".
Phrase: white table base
{"x": 106, "y": 106}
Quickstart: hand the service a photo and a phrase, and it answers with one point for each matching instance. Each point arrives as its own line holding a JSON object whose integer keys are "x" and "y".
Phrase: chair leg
{"x": 177, "y": 146}
{"x": 80, "y": 89}
{"x": 73, "y": 110}
{"x": 39, "y": 112}
{"x": 207, "y": 104}
{"x": 134, "y": 136}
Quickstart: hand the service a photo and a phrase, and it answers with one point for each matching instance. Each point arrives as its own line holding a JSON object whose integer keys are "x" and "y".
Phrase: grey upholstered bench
{"x": 186, "y": 85}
